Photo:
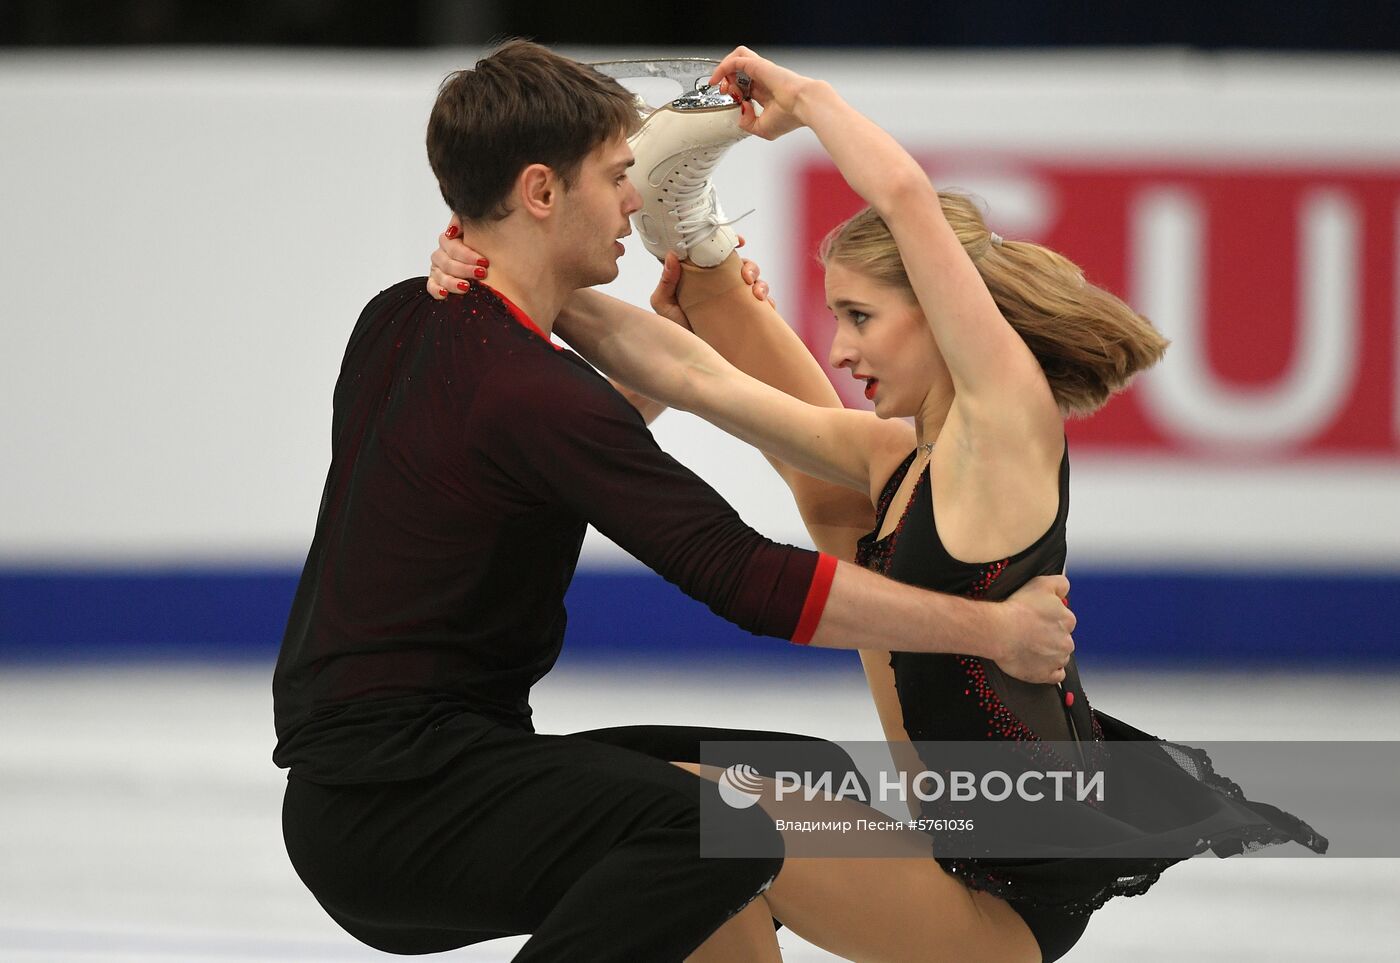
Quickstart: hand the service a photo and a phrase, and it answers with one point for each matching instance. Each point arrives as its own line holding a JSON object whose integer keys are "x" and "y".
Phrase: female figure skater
{"x": 988, "y": 345}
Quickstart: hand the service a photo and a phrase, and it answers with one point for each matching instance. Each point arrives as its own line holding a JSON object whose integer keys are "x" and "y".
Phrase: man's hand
{"x": 663, "y": 299}
{"x": 454, "y": 265}
{"x": 1036, "y": 642}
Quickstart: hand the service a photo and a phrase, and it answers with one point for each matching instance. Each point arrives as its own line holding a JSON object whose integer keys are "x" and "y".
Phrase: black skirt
{"x": 1167, "y": 804}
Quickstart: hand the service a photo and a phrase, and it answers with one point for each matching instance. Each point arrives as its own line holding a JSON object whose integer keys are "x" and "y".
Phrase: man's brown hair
{"x": 522, "y": 104}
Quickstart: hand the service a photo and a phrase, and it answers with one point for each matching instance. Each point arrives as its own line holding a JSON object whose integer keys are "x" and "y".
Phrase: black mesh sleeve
{"x": 561, "y": 433}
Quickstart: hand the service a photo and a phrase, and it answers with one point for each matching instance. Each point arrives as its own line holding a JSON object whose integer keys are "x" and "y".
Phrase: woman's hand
{"x": 748, "y": 270}
{"x": 454, "y": 265}
{"x": 777, "y": 90}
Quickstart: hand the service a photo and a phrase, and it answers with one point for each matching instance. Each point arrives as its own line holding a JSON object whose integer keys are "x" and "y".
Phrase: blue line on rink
{"x": 1127, "y": 617}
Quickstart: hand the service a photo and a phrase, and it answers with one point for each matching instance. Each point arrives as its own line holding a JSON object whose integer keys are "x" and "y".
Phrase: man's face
{"x": 595, "y": 214}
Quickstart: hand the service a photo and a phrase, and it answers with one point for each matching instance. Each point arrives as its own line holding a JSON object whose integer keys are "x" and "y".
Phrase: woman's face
{"x": 884, "y": 339}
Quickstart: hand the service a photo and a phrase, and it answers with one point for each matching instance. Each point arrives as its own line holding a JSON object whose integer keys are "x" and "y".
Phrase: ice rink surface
{"x": 139, "y": 811}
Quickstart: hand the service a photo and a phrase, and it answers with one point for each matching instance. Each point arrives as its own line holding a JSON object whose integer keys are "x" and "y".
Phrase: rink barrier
{"x": 1127, "y": 617}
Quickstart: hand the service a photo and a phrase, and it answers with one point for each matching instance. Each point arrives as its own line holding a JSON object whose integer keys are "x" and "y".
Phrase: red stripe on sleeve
{"x": 815, "y": 604}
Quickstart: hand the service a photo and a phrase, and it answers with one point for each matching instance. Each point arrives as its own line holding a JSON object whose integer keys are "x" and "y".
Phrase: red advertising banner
{"x": 1277, "y": 286}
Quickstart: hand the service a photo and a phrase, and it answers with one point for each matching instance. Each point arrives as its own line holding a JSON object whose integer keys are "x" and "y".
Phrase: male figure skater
{"x": 468, "y": 456}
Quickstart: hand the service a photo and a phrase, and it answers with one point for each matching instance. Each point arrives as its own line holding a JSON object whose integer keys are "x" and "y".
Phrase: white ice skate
{"x": 677, "y": 147}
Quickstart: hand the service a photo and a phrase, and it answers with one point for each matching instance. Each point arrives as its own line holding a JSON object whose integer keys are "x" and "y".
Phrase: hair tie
{"x": 996, "y": 238}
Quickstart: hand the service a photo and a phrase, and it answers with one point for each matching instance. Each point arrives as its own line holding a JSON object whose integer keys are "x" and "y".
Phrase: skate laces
{"x": 695, "y": 205}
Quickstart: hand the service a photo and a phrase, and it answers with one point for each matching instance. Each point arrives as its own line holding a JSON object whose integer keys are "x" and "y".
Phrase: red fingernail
{"x": 463, "y": 286}
{"x": 1069, "y": 698}
{"x": 481, "y": 272}
{"x": 452, "y": 231}
{"x": 482, "y": 262}
{"x": 442, "y": 291}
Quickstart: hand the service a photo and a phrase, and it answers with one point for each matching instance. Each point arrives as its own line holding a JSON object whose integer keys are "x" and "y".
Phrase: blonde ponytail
{"x": 1089, "y": 343}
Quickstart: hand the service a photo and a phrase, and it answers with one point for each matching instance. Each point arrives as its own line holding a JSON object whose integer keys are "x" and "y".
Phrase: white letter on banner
{"x": 850, "y": 788}
{"x": 964, "y": 786}
{"x": 1005, "y": 781}
{"x": 786, "y": 782}
{"x": 822, "y": 785}
{"x": 889, "y": 785}
{"x": 1093, "y": 789}
{"x": 1184, "y": 396}
{"x": 1021, "y": 787}
{"x": 937, "y": 781}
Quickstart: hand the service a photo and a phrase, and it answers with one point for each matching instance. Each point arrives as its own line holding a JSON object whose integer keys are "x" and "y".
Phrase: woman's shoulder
{"x": 893, "y": 444}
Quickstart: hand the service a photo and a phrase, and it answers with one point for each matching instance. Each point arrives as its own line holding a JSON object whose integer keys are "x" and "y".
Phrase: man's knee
{"x": 734, "y": 882}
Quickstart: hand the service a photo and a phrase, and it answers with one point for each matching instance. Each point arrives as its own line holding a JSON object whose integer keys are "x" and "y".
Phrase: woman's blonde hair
{"x": 1089, "y": 343}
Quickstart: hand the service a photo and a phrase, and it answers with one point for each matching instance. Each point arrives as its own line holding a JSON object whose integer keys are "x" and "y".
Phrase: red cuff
{"x": 815, "y": 604}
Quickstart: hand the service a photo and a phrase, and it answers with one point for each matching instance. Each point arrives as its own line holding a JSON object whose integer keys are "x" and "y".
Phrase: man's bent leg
{"x": 748, "y": 937}
{"x": 773, "y": 750}
{"x": 591, "y": 848}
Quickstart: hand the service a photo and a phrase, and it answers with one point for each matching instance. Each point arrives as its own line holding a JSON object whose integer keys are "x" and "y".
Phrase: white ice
{"x": 139, "y": 811}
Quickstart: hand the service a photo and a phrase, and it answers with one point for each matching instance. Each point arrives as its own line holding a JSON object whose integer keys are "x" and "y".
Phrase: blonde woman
{"x": 987, "y": 345}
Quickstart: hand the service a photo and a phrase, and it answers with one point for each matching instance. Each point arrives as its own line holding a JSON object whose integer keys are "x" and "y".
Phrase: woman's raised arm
{"x": 991, "y": 366}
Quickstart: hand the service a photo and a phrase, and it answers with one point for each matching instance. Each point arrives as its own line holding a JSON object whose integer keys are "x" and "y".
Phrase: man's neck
{"x": 522, "y": 274}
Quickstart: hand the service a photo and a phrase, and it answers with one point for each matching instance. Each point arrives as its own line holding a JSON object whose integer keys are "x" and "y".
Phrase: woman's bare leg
{"x": 753, "y": 337}
{"x": 875, "y": 911}
{"x": 897, "y": 911}
{"x": 881, "y": 909}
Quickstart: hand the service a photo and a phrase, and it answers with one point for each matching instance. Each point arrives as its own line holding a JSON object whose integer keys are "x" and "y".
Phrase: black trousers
{"x": 589, "y": 841}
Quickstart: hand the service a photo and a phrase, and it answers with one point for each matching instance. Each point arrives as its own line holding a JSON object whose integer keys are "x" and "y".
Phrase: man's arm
{"x": 649, "y": 410}
{"x": 672, "y": 365}
{"x": 1028, "y": 635}
{"x": 554, "y": 429}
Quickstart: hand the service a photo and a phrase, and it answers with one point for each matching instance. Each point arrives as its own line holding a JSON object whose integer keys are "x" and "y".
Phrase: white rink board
{"x": 189, "y": 237}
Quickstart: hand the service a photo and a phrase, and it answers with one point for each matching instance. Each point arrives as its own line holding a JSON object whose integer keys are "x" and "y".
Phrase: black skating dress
{"x": 1181, "y": 805}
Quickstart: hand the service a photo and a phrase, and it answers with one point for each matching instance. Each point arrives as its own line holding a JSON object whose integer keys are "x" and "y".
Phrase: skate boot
{"x": 677, "y": 147}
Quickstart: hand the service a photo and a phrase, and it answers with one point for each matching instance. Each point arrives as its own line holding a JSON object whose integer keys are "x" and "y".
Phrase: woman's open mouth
{"x": 870, "y": 388}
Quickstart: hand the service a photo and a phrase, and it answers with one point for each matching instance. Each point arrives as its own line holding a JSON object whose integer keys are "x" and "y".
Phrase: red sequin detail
{"x": 990, "y": 573}
{"x": 877, "y": 553}
{"x": 1002, "y": 722}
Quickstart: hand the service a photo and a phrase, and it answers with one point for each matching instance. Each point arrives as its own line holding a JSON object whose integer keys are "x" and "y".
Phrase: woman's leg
{"x": 899, "y": 906}
{"x": 896, "y": 911}
{"x": 753, "y": 337}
